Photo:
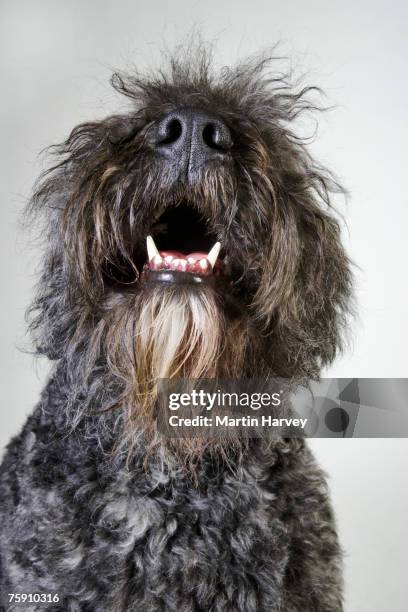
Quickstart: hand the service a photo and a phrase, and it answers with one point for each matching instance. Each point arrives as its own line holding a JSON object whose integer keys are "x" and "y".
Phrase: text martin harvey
{"x": 229, "y": 421}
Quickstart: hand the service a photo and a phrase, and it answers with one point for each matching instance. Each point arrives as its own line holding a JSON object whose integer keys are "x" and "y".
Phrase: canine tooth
{"x": 213, "y": 254}
{"x": 152, "y": 250}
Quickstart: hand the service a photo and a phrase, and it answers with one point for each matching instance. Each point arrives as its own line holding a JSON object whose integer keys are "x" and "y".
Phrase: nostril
{"x": 209, "y": 135}
{"x": 217, "y": 136}
{"x": 170, "y": 131}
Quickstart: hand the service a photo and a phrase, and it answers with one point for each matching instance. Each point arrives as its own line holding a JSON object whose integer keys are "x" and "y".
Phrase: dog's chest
{"x": 179, "y": 548}
{"x": 111, "y": 540}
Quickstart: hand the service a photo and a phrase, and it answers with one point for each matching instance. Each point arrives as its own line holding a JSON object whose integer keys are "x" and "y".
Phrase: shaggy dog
{"x": 100, "y": 511}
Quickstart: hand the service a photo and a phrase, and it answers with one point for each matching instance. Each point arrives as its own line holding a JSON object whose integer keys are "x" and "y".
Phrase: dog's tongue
{"x": 196, "y": 263}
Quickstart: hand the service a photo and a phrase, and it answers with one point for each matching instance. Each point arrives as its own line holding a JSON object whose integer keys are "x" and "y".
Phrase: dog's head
{"x": 243, "y": 273}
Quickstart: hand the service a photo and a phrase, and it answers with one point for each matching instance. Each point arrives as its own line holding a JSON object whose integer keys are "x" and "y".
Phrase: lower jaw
{"x": 173, "y": 277}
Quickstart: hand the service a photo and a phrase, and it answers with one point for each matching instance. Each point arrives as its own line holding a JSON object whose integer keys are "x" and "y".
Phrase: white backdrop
{"x": 55, "y": 60}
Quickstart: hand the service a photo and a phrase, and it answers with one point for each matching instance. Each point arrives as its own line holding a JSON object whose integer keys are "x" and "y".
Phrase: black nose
{"x": 190, "y": 138}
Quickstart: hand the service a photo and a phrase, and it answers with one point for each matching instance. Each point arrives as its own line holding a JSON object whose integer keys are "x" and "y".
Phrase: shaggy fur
{"x": 95, "y": 505}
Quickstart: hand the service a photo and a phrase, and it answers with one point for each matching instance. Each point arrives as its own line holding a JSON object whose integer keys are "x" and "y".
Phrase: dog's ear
{"x": 304, "y": 295}
{"x": 68, "y": 201}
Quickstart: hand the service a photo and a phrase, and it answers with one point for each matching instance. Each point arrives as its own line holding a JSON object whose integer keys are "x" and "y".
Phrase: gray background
{"x": 55, "y": 59}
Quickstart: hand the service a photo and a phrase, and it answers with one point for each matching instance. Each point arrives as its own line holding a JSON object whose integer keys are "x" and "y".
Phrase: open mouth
{"x": 180, "y": 243}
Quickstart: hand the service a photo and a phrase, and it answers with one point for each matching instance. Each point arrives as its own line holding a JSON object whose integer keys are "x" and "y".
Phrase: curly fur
{"x": 94, "y": 504}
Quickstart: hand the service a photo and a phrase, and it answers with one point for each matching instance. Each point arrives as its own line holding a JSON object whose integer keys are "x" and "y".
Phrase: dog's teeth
{"x": 179, "y": 264}
{"x": 156, "y": 263}
{"x": 213, "y": 254}
{"x": 204, "y": 266}
{"x": 152, "y": 250}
